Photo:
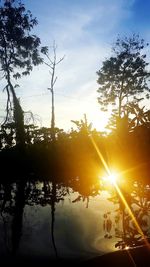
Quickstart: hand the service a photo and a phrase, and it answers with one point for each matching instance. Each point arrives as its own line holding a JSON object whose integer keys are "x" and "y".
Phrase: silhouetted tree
{"x": 19, "y": 51}
{"x": 139, "y": 114}
{"x": 52, "y": 63}
{"x": 83, "y": 126}
{"x": 124, "y": 75}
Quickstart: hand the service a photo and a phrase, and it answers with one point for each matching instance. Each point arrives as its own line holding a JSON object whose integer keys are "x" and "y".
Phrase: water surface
{"x": 43, "y": 219}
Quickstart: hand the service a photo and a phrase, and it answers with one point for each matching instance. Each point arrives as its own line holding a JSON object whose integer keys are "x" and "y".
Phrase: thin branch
{"x": 50, "y": 72}
{"x": 4, "y": 88}
{"x": 49, "y": 58}
{"x": 48, "y": 65}
{"x": 31, "y": 115}
{"x": 61, "y": 59}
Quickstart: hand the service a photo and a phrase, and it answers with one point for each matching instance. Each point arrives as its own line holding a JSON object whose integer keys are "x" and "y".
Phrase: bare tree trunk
{"x": 120, "y": 95}
{"x": 18, "y": 115}
{"x": 53, "y": 117}
{"x": 119, "y": 109}
{"x": 19, "y": 121}
{"x": 123, "y": 224}
{"x": 52, "y": 63}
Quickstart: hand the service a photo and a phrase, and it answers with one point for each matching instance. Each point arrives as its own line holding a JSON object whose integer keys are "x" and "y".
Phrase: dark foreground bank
{"x": 138, "y": 257}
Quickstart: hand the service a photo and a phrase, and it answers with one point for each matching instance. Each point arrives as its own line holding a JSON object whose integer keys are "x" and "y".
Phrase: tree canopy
{"x": 19, "y": 51}
{"x": 18, "y": 48}
{"x": 124, "y": 76}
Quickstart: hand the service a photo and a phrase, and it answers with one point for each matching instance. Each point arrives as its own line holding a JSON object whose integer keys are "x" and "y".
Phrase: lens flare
{"x": 111, "y": 178}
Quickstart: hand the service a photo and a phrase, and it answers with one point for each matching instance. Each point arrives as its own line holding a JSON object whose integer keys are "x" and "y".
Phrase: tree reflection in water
{"x": 16, "y": 195}
{"x": 28, "y": 192}
{"x": 124, "y": 227}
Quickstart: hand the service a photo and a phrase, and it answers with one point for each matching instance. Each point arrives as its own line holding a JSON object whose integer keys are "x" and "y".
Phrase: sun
{"x": 111, "y": 178}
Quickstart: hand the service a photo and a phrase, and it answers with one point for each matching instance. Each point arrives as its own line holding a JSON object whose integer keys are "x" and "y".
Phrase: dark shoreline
{"x": 136, "y": 257}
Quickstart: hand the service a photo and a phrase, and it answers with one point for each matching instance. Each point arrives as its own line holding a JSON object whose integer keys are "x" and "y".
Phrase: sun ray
{"x": 112, "y": 178}
{"x": 131, "y": 258}
{"x": 101, "y": 156}
{"x": 131, "y": 214}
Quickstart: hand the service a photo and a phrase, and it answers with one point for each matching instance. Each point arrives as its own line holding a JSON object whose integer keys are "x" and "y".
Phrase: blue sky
{"x": 84, "y": 31}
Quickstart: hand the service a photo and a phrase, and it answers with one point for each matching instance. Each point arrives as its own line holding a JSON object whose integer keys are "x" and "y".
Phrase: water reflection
{"x": 132, "y": 231}
{"x": 22, "y": 200}
{"x": 64, "y": 220}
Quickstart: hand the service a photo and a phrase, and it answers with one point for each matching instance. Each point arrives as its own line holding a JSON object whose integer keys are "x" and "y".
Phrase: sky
{"x": 84, "y": 31}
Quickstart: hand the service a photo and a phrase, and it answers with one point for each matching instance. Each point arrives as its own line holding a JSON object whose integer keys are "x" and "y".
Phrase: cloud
{"x": 75, "y": 23}
{"x": 84, "y": 32}
{"x": 75, "y": 90}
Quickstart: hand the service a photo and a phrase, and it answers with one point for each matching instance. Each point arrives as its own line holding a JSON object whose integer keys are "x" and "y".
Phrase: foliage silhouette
{"x": 123, "y": 78}
{"x": 19, "y": 52}
{"x": 138, "y": 199}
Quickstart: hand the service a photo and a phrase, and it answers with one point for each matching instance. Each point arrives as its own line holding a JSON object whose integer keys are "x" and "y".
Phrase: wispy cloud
{"x": 84, "y": 32}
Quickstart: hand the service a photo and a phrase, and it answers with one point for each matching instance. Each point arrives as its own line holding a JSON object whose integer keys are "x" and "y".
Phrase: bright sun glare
{"x": 111, "y": 178}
